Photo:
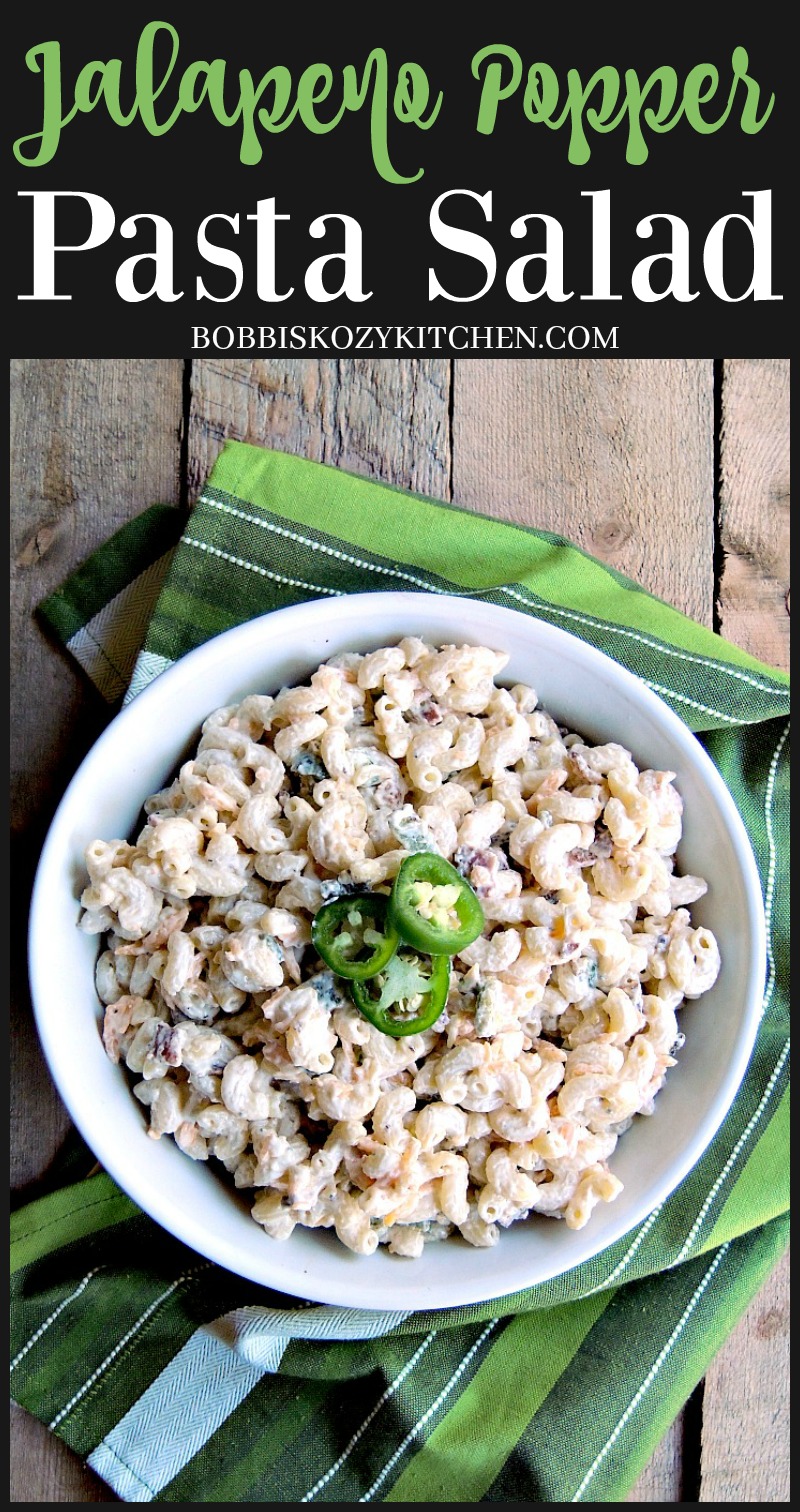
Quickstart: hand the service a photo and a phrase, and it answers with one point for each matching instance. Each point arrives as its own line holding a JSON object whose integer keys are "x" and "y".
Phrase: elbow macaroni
{"x": 560, "y": 1024}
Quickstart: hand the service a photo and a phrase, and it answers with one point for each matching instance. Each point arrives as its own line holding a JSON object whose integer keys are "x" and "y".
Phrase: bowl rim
{"x": 132, "y": 1177}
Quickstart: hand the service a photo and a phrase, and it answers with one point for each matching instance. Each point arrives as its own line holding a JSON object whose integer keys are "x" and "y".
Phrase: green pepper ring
{"x": 430, "y": 1009}
{"x": 324, "y": 935}
{"x": 424, "y": 934}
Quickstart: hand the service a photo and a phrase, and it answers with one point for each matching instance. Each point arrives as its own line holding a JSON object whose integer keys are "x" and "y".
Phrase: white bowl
{"x": 585, "y": 690}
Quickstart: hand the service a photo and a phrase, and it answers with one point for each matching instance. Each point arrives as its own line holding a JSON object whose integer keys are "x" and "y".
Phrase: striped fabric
{"x": 178, "y": 1381}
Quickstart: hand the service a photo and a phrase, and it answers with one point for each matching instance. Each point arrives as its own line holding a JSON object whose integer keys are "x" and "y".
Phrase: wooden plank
{"x": 43, "y": 1469}
{"x": 754, "y": 507}
{"x": 619, "y": 457}
{"x": 745, "y": 1454}
{"x": 746, "y": 1406}
{"x": 616, "y": 455}
{"x": 662, "y": 1478}
{"x": 385, "y": 419}
{"x": 92, "y": 443}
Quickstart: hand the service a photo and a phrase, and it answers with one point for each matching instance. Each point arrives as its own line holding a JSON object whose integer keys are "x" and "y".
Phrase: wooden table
{"x": 676, "y": 472}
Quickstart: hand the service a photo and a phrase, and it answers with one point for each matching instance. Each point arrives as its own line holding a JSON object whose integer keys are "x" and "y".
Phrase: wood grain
{"x": 745, "y": 1454}
{"x": 661, "y": 1479}
{"x": 388, "y": 420}
{"x": 745, "y": 1446}
{"x": 43, "y": 1469}
{"x": 92, "y": 443}
{"x": 754, "y": 508}
{"x": 618, "y": 456}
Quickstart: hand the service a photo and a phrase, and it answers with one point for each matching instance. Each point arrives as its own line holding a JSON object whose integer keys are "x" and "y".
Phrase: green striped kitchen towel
{"x": 178, "y": 1381}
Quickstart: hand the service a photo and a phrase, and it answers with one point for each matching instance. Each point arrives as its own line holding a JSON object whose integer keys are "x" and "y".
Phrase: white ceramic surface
{"x": 135, "y": 756}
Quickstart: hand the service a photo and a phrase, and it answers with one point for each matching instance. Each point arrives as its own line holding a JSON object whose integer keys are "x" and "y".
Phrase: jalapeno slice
{"x": 354, "y": 935}
{"x": 433, "y": 907}
{"x": 407, "y": 995}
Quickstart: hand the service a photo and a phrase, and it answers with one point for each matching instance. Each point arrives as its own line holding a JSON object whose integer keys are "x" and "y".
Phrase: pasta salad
{"x": 400, "y": 952}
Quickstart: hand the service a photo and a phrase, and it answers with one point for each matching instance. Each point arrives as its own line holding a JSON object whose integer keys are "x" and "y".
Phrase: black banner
{"x": 518, "y": 187}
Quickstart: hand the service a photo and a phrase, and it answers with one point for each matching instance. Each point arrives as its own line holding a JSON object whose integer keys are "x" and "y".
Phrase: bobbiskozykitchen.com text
{"x": 403, "y": 338}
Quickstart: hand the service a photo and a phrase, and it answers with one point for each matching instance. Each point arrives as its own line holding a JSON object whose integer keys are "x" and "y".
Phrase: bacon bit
{"x": 115, "y": 1022}
{"x": 165, "y": 1045}
{"x": 600, "y": 848}
{"x": 389, "y": 793}
{"x": 581, "y": 769}
{"x": 426, "y": 712}
{"x": 480, "y": 866}
{"x": 581, "y": 857}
